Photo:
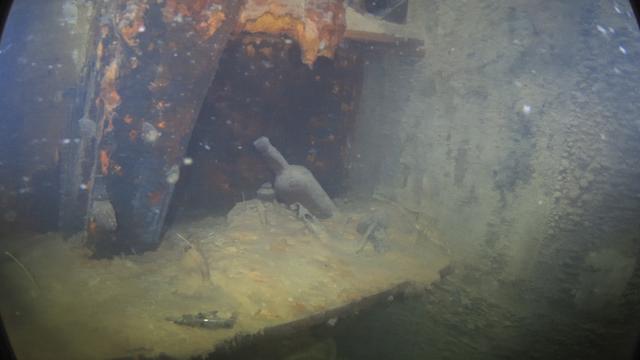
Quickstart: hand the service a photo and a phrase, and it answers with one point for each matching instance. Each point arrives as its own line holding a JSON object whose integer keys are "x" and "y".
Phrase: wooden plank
{"x": 379, "y": 42}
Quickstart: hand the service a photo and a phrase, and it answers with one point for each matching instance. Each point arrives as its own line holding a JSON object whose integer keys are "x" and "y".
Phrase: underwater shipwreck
{"x": 320, "y": 179}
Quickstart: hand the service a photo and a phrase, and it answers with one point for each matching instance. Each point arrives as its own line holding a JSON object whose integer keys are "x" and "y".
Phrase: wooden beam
{"x": 148, "y": 70}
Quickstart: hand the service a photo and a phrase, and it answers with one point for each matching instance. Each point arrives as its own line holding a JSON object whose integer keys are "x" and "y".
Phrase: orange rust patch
{"x": 92, "y": 227}
{"x": 267, "y": 52}
{"x": 250, "y": 50}
{"x": 131, "y": 22}
{"x": 162, "y": 125}
{"x": 104, "y": 162}
{"x": 100, "y": 51}
{"x": 210, "y": 25}
{"x": 108, "y": 92}
{"x": 155, "y": 197}
{"x": 318, "y": 26}
{"x": 109, "y": 125}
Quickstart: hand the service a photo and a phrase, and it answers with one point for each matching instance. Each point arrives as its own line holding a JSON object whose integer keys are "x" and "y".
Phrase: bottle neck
{"x": 275, "y": 160}
{"x": 277, "y": 163}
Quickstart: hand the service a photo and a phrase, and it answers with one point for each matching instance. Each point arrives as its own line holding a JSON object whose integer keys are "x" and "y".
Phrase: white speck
{"x": 173, "y": 175}
{"x": 239, "y": 147}
{"x": 526, "y": 109}
{"x": 207, "y": 147}
{"x": 25, "y": 178}
{"x": 187, "y": 161}
{"x": 616, "y": 70}
{"x": 142, "y": 28}
{"x": 83, "y": 187}
{"x": 617, "y": 9}
{"x": 332, "y": 321}
{"x": 66, "y": 141}
{"x": 602, "y": 30}
{"x": 611, "y": 30}
{"x": 622, "y": 50}
{"x": 603, "y": 136}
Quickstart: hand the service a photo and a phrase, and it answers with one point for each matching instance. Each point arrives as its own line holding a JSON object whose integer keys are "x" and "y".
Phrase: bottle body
{"x": 295, "y": 183}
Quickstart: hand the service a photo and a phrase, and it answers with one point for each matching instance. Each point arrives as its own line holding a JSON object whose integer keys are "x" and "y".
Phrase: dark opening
{"x": 263, "y": 89}
{"x": 389, "y": 10}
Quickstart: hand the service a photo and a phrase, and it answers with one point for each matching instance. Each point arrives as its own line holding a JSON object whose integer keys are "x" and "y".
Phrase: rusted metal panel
{"x": 148, "y": 70}
{"x": 317, "y": 25}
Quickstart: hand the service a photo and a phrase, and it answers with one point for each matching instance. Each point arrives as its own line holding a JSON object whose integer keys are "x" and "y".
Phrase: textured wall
{"x": 518, "y": 140}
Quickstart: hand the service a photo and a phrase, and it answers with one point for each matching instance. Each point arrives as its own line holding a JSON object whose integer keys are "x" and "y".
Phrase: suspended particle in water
{"x": 526, "y": 109}
{"x": 602, "y": 30}
{"x": 187, "y": 161}
{"x": 622, "y": 50}
{"x": 173, "y": 175}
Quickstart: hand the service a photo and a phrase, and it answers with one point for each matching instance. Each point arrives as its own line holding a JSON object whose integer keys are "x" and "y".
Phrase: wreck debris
{"x": 208, "y": 320}
{"x": 205, "y": 271}
{"x": 121, "y": 53}
{"x": 317, "y": 25}
{"x": 266, "y": 193}
{"x": 373, "y": 230}
{"x": 310, "y": 221}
